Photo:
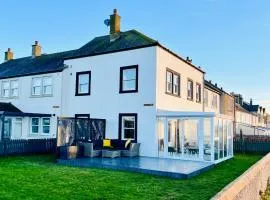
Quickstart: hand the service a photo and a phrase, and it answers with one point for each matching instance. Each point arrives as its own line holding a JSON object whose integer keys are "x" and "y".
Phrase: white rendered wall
{"x": 171, "y": 103}
{"x": 105, "y": 102}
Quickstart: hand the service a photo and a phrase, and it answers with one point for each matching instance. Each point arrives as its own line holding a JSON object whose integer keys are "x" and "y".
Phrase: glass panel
{"x": 46, "y": 129}
{"x": 35, "y": 129}
{"x": 207, "y": 140}
{"x": 36, "y": 86}
{"x": 83, "y": 83}
{"x": 46, "y": 121}
{"x": 129, "y": 133}
{"x": 129, "y": 74}
{"x": 7, "y": 128}
{"x": 169, "y": 81}
{"x": 176, "y": 84}
{"x": 129, "y": 122}
{"x": 47, "y": 85}
{"x": 35, "y": 121}
{"x": 221, "y": 141}
{"x": 129, "y": 85}
{"x": 230, "y": 138}
{"x": 5, "y": 89}
{"x": 216, "y": 141}
{"x": 225, "y": 128}
{"x": 191, "y": 139}
{"x": 160, "y": 132}
{"x": 174, "y": 138}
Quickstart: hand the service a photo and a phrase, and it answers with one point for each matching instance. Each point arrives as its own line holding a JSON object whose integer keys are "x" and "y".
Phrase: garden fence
{"x": 22, "y": 146}
{"x": 260, "y": 145}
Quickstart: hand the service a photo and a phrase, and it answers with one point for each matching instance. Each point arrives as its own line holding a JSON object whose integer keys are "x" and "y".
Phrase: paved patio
{"x": 180, "y": 169}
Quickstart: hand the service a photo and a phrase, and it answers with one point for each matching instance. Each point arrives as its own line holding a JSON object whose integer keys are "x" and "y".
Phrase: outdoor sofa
{"x": 94, "y": 149}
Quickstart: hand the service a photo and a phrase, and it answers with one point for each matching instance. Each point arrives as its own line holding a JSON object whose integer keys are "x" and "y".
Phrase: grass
{"x": 39, "y": 177}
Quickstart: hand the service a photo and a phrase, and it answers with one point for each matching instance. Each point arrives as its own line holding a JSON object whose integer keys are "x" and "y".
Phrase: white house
{"x": 143, "y": 90}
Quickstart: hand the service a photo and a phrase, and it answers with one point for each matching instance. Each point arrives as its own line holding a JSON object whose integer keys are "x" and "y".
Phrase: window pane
{"x": 129, "y": 85}
{"x": 83, "y": 86}
{"x": 169, "y": 82}
{"x": 46, "y": 129}
{"x": 129, "y": 74}
{"x": 47, "y": 90}
{"x": 46, "y": 121}
{"x": 176, "y": 84}
{"x": 129, "y": 122}
{"x": 14, "y": 84}
{"x": 47, "y": 81}
{"x": 36, "y": 81}
{"x": 5, "y": 85}
{"x": 34, "y": 129}
{"x": 35, "y": 121}
{"x": 129, "y": 133}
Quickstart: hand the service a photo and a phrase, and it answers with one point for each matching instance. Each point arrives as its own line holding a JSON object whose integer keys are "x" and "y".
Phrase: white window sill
{"x": 40, "y": 96}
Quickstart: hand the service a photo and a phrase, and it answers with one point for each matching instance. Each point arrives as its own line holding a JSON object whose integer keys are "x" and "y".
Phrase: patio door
{"x": 174, "y": 137}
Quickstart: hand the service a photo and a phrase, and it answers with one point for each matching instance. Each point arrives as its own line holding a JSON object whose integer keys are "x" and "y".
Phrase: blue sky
{"x": 229, "y": 39}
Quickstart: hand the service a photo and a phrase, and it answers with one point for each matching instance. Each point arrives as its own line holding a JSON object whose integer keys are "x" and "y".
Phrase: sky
{"x": 229, "y": 39}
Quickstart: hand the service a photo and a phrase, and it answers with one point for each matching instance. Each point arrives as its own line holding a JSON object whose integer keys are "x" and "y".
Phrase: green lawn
{"x": 38, "y": 177}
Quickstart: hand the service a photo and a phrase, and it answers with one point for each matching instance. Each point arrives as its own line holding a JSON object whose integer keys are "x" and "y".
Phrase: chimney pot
{"x": 250, "y": 102}
{"x": 8, "y": 55}
{"x": 115, "y": 11}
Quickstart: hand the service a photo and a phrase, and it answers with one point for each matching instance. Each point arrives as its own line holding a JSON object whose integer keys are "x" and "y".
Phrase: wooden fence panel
{"x": 12, "y": 147}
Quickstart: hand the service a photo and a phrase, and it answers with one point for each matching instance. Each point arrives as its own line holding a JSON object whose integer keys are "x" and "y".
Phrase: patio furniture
{"x": 107, "y": 153}
{"x": 89, "y": 150}
{"x": 134, "y": 150}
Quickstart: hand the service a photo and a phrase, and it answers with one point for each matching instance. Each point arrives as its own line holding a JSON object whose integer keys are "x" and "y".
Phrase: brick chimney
{"x": 36, "y": 49}
{"x": 250, "y": 102}
{"x": 8, "y": 55}
{"x": 114, "y": 26}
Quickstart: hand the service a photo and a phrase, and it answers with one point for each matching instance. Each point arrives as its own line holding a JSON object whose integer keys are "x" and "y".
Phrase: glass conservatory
{"x": 194, "y": 136}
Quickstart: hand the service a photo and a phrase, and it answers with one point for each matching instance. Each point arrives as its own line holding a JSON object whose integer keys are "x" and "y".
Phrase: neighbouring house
{"x": 222, "y": 104}
{"x": 144, "y": 92}
{"x": 32, "y": 84}
{"x": 249, "y": 118}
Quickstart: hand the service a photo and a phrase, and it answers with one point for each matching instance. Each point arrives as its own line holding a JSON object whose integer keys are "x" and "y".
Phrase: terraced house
{"x": 143, "y": 90}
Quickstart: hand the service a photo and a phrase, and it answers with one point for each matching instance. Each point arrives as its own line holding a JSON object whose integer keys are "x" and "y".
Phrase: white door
{"x": 17, "y": 128}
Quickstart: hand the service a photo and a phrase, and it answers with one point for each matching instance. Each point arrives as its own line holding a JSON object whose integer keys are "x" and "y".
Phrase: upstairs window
{"x": 198, "y": 93}
{"x": 42, "y": 86}
{"x": 47, "y": 85}
{"x": 14, "y": 87}
{"x": 172, "y": 83}
{"x": 128, "y": 79}
{"x": 169, "y": 82}
{"x": 205, "y": 100}
{"x": 5, "y": 89}
{"x": 190, "y": 89}
{"x": 36, "y": 86}
{"x": 83, "y": 80}
{"x": 214, "y": 101}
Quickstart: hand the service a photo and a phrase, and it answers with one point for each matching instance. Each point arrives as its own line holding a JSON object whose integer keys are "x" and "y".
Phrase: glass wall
{"x": 192, "y": 138}
{"x": 160, "y": 131}
{"x": 207, "y": 140}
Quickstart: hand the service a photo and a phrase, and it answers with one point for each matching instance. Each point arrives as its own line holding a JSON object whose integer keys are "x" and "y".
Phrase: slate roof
{"x": 251, "y": 108}
{"x": 48, "y": 63}
{"x": 212, "y": 87}
{"x": 8, "y": 107}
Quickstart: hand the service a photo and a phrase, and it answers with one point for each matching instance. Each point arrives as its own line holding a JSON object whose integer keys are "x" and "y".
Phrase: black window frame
{"x": 77, "y": 83}
{"x": 121, "y": 79}
{"x": 179, "y": 83}
{"x": 121, "y": 115}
